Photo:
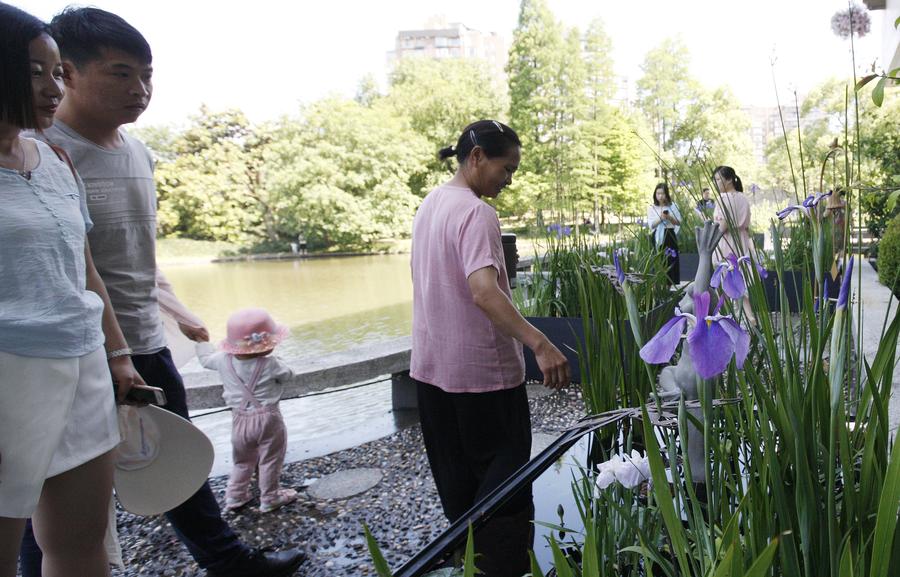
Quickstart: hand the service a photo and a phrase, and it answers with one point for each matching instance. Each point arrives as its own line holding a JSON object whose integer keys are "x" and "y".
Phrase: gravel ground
{"x": 402, "y": 511}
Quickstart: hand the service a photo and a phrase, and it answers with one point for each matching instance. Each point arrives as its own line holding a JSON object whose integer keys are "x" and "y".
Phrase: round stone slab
{"x": 345, "y": 484}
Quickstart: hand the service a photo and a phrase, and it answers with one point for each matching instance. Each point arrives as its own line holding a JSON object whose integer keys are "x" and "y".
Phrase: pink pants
{"x": 258, "y": 441}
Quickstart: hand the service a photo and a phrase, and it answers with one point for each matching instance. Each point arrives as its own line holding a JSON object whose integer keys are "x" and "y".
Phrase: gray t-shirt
{"x": 121, "y": 199}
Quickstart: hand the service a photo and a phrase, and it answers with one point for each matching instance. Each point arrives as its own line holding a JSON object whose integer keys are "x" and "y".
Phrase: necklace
{"x": 26, "y": 174}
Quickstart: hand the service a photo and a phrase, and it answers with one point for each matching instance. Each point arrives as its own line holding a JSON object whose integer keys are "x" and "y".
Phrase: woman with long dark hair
{"x": 664, "y": 220}
{"x": 732, "y": 214}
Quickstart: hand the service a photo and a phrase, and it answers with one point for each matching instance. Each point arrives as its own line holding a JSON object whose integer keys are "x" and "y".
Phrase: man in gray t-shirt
{"x": 121, "y": 198}
{"x": 108, "y": 73}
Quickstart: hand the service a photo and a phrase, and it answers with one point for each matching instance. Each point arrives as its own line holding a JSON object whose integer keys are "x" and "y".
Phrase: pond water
{"x": 330, "y": 304}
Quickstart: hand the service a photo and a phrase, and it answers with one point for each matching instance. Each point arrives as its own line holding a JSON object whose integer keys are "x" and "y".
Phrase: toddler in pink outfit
{"x": 252, "y": 383}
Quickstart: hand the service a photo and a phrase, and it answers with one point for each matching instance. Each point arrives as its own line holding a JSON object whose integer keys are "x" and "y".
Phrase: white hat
{"x": 161, "y": 461}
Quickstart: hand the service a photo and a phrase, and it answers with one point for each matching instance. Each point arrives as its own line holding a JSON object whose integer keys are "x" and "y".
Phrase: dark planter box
{"x": 567, "y": 334}
{"x": 759, "y": 240}
{"x": 687, "y": 266}
{"x": 793, "y": 288}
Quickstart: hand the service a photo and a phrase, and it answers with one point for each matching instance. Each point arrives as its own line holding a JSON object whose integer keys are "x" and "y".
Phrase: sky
{"x": 267, "y": 57}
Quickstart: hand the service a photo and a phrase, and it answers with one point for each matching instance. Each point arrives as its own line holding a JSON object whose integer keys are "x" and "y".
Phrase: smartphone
{"x": 665, "y": 212}
{"x": 146, "y": 395}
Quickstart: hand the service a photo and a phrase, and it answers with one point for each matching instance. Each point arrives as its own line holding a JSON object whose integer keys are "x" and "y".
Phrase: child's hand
{"x": 197, "y": 334}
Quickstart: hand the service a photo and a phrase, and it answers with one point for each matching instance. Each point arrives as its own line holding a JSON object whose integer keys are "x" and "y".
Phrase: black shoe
{"x": 259, "y": 563}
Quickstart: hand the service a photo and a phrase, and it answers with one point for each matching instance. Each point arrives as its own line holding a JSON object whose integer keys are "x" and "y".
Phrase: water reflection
{"x": 330, "y": 304}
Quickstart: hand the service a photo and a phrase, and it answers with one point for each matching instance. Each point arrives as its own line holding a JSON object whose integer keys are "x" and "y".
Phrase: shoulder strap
{"x": 64, "y": 156}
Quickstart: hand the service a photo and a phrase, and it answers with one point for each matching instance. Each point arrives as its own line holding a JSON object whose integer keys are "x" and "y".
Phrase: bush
{"x": 889, "y": 256}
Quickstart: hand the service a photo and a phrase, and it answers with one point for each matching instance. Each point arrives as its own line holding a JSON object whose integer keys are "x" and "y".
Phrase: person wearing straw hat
{"x": 252, "y": 384}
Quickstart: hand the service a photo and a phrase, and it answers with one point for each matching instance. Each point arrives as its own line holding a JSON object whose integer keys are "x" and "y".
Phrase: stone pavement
{"x": 876, "y": 301}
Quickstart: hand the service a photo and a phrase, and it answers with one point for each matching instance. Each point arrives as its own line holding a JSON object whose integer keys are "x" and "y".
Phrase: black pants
{"x": 474, "y": 442}
{"x": 198, "y": 521}
{"x": 670, "y": 241}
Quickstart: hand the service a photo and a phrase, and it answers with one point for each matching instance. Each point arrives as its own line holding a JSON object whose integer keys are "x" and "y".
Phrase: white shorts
{"x": 55, "y": 414}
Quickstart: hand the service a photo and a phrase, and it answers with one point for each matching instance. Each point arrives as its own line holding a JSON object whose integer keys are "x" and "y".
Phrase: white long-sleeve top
{"x": 269, "y": 387}
{"x": 657, "y": 224}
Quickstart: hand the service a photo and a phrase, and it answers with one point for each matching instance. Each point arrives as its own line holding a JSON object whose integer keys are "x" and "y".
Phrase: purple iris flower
{"x": 728, "y": 276}
{"x": 809, "y": 202}
{"x": 560, "y": 230}
{"x": 763, "y": 273}
{"x": 662, "y": 346}
{"x": 671, "y": 252}
{"x": 803, "y": 206}
{"x": 715, "y": 339}
{"x": 620, "y": 274}
{"x": 754, "y": 188}
{"x": 845, "y": 286}
{"x": 711, "y": 344}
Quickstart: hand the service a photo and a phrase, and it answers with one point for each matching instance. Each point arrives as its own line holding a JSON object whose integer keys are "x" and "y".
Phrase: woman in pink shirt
{"x": 467, "y": 346}
{"x": 732, "y": 214}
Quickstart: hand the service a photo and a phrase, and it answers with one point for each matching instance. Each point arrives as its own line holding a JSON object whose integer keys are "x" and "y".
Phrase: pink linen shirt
{"x": 455, "y": 346}
{"x": 737, "y": 206}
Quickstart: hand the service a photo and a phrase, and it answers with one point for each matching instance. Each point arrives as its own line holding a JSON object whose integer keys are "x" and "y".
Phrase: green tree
{"x": 665, "y": 91}
{"x": 211, "y": 181}
{"x": 715, "y": 130}
{"x": 880, "y": 144}
{"x": 440, "y": 97}
{"x": 621, "y": 165}
{"x": 350, "y": 174}
{"x": 569, "y": 152}
{"x": 533, "y": 70}
{"x": 616, "y": 166}
{"x": 600, "y": 79}
{"x": 823, "y": 114}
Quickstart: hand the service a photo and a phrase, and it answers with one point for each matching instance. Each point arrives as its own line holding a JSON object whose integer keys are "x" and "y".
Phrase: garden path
{"x": 876, "y": 302}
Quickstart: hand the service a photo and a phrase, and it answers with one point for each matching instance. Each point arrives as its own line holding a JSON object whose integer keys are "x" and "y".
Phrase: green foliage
{"x": 536, "y": 104}
{"x": 349, "y": 175}
{"x": 211, "y": 181}
{"x": 617, "y": 170}
{"x": 580, "y": 153}
{"x": 342, "y": 174}
{"x": 882, "y": 141}
{"x": 381, "y": 566}
{"x": 665, "y": 91}
{"x": 716, "y": 129}
{"x": 823, "y": 116}
{"x": 468, "y": 569}
{"x": 889, "y": 257}
{"x": 439, "y": 97}
{"x": 877, "y": 211}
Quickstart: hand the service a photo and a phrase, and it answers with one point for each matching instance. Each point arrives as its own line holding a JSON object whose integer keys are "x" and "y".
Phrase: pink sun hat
{"x": 252, "y": 331}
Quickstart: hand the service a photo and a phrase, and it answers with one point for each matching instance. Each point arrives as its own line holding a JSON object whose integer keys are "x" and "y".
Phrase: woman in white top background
{"x": 664, "y": 220}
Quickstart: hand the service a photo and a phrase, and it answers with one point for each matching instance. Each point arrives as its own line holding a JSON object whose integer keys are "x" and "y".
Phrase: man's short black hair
{"x": 17, "y": 29}
{"x": 82, "y": 33}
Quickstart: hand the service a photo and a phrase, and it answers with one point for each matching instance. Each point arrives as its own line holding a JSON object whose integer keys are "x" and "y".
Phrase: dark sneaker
{"x": 259, "y": 563}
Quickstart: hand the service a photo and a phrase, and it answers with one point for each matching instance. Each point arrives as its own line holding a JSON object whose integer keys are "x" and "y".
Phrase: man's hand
{"x": 124, "y": 376}
{"x": 196, "y": 334}
{"x": 553, "y": 364}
